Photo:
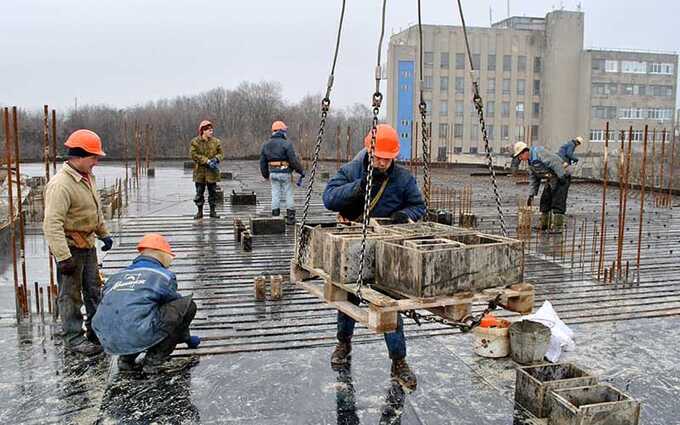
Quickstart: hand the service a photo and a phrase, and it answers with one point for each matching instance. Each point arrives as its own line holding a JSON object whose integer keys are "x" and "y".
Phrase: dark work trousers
{"x": 175, "y": 318}
{"x": 80, "y": 287}
{"x": 396, "y": 341}
{"x": 199, "y": 199}
{"x": 554, "y": 196}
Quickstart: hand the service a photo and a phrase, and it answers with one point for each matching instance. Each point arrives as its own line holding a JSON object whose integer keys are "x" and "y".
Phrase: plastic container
{"x": 528, "y": 341}
{"x": 491, "y": 337}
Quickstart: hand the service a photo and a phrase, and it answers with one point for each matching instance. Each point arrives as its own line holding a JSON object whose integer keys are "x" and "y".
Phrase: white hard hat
{"x": 579, "y": 140}
{"x": 518, "y": 148}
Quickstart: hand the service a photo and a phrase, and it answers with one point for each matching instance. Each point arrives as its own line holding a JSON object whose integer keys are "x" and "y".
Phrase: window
{"x": 491, "y": 63}
{"x": 460, "y": 85}
{"x": 441, "y": 154}
{"x": 661, "y": 68}
{"x": 633, "y": 90}
{"x": 598, "y": 65}
{"x": 633, "y": 67}
{"x": 491, "y": 86}
{"x": 661, "y": 114}
{"x": 664, "y": 91}
{"x": 611, "y": 66}
{"x": 457, "y": 149}
{"x": 521, "y": 87}
{"x": 521, "y": 64}
{"x": 490, "y": 132}
{"x": 505, "y": 132}
{"x": 507, "y": 63}
{"x": 519, "y": 110}
{"x": 444, "y": 84}
{"x": 596, "y": 135}
{"x": 404, "y": 123}
{"x": 604, "y": 89}
{"x": 428, "y": 59}
{"x": 506, "y": 86}
{"x": 460, "y": 109}
{"x": 536, "y": 110}
{"x": 428, "y": 105}
{"x": 474, "y": 149}
{"x": 460, "y": 61}
{"x": 443, "y": 131}
{"x": 427, "y": 82}
{"x": 443, "y": 108}
{"x": 604, "y": 112}
{"x": 474, "y": 133}
{"x": 475, "y": 60}
{"x": 632, "y": 113}
{"x": 519, "y": 133}
{"x": 458, "y": 131}
{"x": 444, "y": 60}
{"x": 505, "y": 109}
{"x": 490, "y": 108}
{"x": 537, "y": 88}
{"x": 537, "y": 65}
{"x": 534, "y": 133}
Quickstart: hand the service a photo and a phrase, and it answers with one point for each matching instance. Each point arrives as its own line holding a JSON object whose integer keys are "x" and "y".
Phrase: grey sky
{"x": 124, "y": 52}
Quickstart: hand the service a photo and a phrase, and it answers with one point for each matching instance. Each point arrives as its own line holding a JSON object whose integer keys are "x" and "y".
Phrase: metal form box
{"x": 593, "y": 405}
{"x": 243, "y": 198}
{"x": 267, "y": 225}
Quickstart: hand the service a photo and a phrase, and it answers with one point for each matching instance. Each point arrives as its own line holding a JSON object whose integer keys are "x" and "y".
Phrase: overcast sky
{"x": 125, "y": 52}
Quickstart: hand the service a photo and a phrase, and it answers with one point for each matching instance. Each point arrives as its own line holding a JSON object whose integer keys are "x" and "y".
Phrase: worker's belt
{"x": 282, "y": 165}
{"x": 80, "y": 238}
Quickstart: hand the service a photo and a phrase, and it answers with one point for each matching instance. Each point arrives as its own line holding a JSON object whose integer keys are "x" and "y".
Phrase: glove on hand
{"x": 298, "y": 183}
{"x": 212, "y": 164}
{"x": 67, "y": 267}
{"x": 108, "y": 243}
{"x": 400, "y": 217}
{"x": 530, "y": 199}
{"x": 193, "y": 342}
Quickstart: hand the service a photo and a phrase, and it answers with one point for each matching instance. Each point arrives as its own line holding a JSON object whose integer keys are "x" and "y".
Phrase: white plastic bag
{"x": 561, "y": 338}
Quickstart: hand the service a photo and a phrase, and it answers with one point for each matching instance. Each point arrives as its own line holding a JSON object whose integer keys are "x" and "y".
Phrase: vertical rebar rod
{"x": 626, "y": 181}
{"x": 669, "y": 196}
{"x": 661, "y": 164}
{"x": 54, "y": 141}
{"x": 643, "y": 176}
{"x": 10, "y": 219}
{"x": 604, "y": 200}
{"x": 652, "y": 167}
{"x": 20, "y": 207}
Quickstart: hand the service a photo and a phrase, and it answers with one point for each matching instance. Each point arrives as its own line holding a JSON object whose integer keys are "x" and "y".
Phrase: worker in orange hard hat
{"x": 206, "y": 152}
{"x": 393, "y": 194}
{"x": 277, "y": 163}
{"x": 142, "y": 311}
{"x": 73, "y": 221}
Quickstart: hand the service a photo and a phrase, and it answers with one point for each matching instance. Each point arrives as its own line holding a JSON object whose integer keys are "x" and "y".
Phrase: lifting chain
{"x": 468, "y": 323}
{"x": 325, "y": 106}
{"x": 422, "y": 106}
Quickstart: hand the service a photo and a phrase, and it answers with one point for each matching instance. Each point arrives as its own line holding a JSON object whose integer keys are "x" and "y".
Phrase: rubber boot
{"x": 213, "y": 213}
{"x": 544, "y": 223}
{"x": 557, "y": 225}
{"x": 276, "y": 212}
{"x": 290, "y": 217}
{"x": 171, "y": 365}
{"x": 341, "y": 355}
{"x": 199, "y": 214}
{"x": 403, "y": 374}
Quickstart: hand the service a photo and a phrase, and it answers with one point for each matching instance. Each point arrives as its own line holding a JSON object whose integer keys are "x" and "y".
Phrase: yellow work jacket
{"x": 73, "y": 212}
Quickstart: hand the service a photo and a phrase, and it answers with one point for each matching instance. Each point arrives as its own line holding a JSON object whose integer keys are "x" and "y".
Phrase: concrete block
{"x": 226, "y": 175}
{"x": 426, "y": 228}
{"x": 246, "y": 241}
{"x": 533, "y": 384}
{"x": 260, "y": 288}
{"x": 243, "y": 198}
{"x": 448, "y": 264}
{"x": 188, "y": 164}
{"x": 325, "y": 175}
{"x": 313, "y": 233}
{"x": 267, "y": 225}
{"x": 467, "y": 220}
{"x": 593, "y": 405}
{"x": 151, "y": 172}
{"x": 276, "y": 282}
{"x": 219, "y": 194}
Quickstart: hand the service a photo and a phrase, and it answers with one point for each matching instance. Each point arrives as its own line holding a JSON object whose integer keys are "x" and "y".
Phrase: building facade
{"x": 537, "y": 82}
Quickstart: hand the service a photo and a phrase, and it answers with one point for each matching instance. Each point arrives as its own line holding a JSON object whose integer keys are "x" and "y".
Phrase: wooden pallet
{"x": 384, "y": 307}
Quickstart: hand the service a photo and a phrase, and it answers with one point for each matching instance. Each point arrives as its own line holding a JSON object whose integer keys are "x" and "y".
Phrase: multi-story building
{"x": 538, "y": 84}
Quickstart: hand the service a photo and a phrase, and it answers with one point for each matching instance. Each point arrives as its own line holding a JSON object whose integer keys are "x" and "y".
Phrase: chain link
{"x": 466, "y": 325}
{"x": 427, "y": 179}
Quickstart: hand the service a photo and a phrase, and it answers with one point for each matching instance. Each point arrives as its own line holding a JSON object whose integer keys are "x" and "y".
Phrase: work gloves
{"x": 193, "y": 342}
{"x": 530, "y": 199}
{"x": 108, "y": 243}
{"x": 212, "y": 163}
{"x": 400, "y": 217}
{"x": 67, "y": 267}
{"x": 298, "y": 183}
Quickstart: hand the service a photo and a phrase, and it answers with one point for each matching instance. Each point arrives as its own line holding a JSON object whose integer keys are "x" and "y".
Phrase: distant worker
{"x": 141, "y": 311}
{"x": 549, "y": 166}
{"x": 206, "y": 152}
{"x": 73, "y": 218}
{"x": 566, "y": 151}
{"x": 277, "y": 163}
{"x": 394, "y": 194}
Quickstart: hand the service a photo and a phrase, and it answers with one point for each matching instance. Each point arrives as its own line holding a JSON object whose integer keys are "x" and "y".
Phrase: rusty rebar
{"x": 643, "y": 176}
{"x": 604, "y": 200}
{"x": 10, "y": 197}
{"x": 624, "y": 201}
{"x": 669, "y": 195}
{"x": 54, "y": 141}
{"x": 661, "y": 166}
{"x": 20, "y": 207}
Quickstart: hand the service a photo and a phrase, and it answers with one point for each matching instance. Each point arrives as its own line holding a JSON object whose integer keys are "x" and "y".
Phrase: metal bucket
{"x": 528, "y": 341}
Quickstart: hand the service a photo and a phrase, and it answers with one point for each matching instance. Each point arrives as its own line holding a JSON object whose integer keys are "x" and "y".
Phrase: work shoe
{"x": 403, "y": 374}
{"x": 127, "y": 366}
{"x": 544, "y": 223}
{"x": 213, "y": 213}
{"x": 290, "y": 217}
{"x": 173, "y": 365}
{"x": 199, "y": 214}
{"x": 557, "y": 225}
{"x": 92, "y": 337}
{"x": 341, "y": 355}
{"x": 276, "y": 212}
{"x": 86, "y": 348}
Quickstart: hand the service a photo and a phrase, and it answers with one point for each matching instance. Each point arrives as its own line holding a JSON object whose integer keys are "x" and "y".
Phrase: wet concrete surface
{"x": 266, "y": 363}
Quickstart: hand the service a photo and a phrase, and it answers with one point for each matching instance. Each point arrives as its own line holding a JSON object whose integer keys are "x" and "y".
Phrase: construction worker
{"x": 73, "y": 218}
{"x": 206, "y": 152}
{"x": 549, "y": 166}
{"x": 566, "y": 151}
{"x": 394, "y": 194}
{"x": 277, "y": 163}
{"x": 141, "y": 311}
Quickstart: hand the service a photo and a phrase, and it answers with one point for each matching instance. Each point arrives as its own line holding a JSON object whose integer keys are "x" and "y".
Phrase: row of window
{"x": 611, "y": 112}
{"x": 609, "y": 89}
{"x": 491, "y": 62}
{"x": 443, "y": 150}
{"x": 632, "y": 67}
{"x": 597, "y": 135}
{"x": 489, "y": 109}
{"x": 506, "y": 86}
{"x": 458, "y": 130}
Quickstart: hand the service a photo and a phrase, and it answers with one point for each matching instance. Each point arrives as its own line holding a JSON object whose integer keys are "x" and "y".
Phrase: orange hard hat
{"x": 155, "y": 241}
{"x": 491, "y": 321}
{"x": 86, "y": 140}
{"x": 386, "y": 142}
{"x": 202, "y": 125}
{"x": 279, "y": 125}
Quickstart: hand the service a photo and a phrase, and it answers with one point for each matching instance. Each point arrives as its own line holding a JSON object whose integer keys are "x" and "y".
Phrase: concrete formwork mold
{"x": 243, "y": 198}
{"x": 226, "y": 175}
{"x": 533, "y": 384}
{"x": 593, "y": 405}
{"x": 423, "y": 229}
{"x": 314, "y": 235}
{"x": 267, "y": 225}
{"x": 219, "y": 194}
{"x": 444, "y": 265}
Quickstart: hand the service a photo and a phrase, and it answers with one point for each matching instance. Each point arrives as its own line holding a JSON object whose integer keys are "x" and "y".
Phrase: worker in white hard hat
{"x": 549, "y": 166}
{"x": 566, "y": 151}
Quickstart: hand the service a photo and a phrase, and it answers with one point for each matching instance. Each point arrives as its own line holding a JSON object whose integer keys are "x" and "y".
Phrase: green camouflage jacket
{"x": 201, "y": 152}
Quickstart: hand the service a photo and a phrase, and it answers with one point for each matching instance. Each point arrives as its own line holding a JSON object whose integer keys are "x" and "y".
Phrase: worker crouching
{"x": 141, "y": 311}
{"x": 394, "y": 194}
{"x": 206, "y": 152}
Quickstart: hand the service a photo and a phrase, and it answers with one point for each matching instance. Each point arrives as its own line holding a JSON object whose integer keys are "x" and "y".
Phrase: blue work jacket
{"x": 566, "y": 152}
{"x": 127, "y": 319}
{"x": 543, "y": 164}
{"x": 278, "y": 148}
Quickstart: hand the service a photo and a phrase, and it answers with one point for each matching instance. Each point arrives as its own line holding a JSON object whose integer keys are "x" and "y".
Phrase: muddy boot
{"x": 199, "y": 214}
{"x": 126, "y": 364}
{"x": 173, "y": 365}
{"x": 403, "y": 374}
{"x": 341, "y": 355}
{"x": 557, "y": 225}
{"x": 213, "y": 213}
{"x": 92, "y": 337}
{"x": 86, "y": 348}
{"x": 276, "y": 212}
{"x": 290, "y": 217}
{"x": 544, "y": 222}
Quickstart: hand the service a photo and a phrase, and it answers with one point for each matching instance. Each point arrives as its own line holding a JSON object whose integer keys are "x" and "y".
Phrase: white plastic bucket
{"x": 493, "y": 342}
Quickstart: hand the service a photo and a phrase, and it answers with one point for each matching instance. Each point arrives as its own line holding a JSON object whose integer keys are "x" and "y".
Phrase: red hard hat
{"x": 386, "y": 142}
{"x": 86, "y": 140}
{"x": 202, "y": 125}
{"x": 155, "y": 241}
{"x": 279, "y": 125}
